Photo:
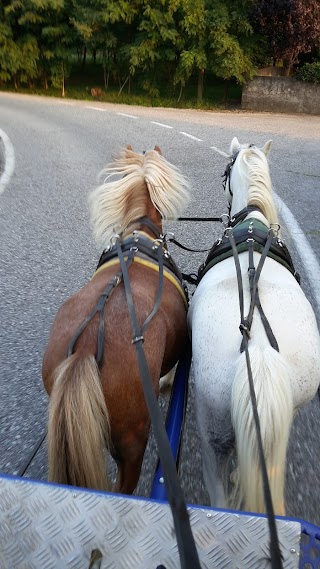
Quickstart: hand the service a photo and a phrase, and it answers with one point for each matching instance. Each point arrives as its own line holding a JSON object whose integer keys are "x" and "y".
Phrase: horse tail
{"x": 275, "y": 408}
{"x": 79, "y": 426}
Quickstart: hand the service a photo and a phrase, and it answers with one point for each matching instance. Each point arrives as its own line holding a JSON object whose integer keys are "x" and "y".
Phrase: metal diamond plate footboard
{"x": 44, "y": 526}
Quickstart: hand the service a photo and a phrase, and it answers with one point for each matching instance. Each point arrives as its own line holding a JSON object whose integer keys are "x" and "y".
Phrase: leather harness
{"x": 250, "y": 235}
{"x": 141, "y": 248}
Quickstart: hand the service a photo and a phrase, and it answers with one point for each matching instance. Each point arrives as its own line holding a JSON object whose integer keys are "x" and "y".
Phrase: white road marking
{"x": 191, "y": 136}
{"x": 161, "y": 124}
{"x": 9, "y": 161}
{"x": 129, "y": 116}
{"x": 220, "y": 151}
{"x": 95, "y": 108}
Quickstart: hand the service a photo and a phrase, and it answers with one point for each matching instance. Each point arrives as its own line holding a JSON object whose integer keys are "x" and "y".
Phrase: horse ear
{"x": 266, "y": 147}
{"x": 235, "y": 146}
{"x": 158, "y": 149}
{"x": 129, "y": 147}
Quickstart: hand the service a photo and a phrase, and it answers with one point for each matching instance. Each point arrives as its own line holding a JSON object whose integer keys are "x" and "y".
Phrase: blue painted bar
{"x": 174, "y": 423}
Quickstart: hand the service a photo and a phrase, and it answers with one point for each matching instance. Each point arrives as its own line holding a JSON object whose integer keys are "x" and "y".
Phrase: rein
{"x": 245, "y": 324}
{"x": 187, "y": 549}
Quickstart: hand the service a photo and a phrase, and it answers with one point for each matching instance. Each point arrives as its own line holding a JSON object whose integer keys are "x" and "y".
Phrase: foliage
{"x": 309, "y": 72}
{"x": 292, "y": 27}
{"x": 142, "y": 45}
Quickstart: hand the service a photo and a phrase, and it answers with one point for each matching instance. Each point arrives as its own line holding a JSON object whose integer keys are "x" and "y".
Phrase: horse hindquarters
{"x": 275, "y": 408}
{"x": 78, "y": 428}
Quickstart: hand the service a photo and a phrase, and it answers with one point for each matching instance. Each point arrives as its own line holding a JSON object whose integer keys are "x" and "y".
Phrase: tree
{"x": 19, "y": 53}
{"x": 216, "y": 33}
{"x": 292, "y": 27}
{"x": 153, "y": 51}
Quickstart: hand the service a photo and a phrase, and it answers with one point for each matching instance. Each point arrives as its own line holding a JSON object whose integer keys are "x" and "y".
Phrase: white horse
{"x": 284, "y": 380}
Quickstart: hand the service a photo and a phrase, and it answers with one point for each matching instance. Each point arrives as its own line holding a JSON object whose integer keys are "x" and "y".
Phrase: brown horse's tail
{"x": 79, "y": 426}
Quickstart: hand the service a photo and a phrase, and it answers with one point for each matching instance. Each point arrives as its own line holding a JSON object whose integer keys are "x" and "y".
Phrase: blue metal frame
{"x": 175, "y": 420}
{"x": 309, "y": 546}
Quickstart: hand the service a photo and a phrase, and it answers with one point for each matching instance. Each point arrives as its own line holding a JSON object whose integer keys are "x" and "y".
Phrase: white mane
{"x": 115, "y": 204}
{"x": 252, "y": 166}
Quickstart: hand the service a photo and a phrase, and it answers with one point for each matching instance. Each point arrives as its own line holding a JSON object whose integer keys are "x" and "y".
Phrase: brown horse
{"x": 90, "y": 372}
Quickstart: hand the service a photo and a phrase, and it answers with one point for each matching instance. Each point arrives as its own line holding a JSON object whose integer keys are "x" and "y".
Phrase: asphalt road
{"x": 47, "y": 251}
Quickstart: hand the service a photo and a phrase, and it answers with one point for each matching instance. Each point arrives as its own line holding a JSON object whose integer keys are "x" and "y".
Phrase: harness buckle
{"x": 157, "y": 243}
{"x": 136, "y": 339}
{"x": 244, "y": 330}
{"x": 116, "y": 280}
{"x": 275, "y": 227}
{"x": 135, "y": 234}
{"x": 114, "y": 239}
{"x": 227, "y": 231}
{"x": 225, "y": 219}
{"x": 250, "y": 228}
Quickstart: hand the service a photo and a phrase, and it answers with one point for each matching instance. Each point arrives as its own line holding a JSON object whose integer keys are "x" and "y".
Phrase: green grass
{"x": 79, "y": 84}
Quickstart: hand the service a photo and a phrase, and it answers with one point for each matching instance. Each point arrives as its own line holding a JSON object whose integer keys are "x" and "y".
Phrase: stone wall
{"x": 281, "y": 95}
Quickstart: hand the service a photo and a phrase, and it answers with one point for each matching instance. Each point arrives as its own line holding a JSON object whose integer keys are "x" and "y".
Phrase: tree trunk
{"x": 84, "y": 56}
{"x": 180, "y": 94}
{"x": 63, "y": 85}
{"x": 287, "y": 67}
{"x": 200, "y": 84}
{"x": 105, "y": 77}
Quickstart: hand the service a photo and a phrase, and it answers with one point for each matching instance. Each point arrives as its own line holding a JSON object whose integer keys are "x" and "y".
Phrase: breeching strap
{"x": 254, "y": 275}
{"x": 187, "y": 549}
{"x": 275, "y": 553}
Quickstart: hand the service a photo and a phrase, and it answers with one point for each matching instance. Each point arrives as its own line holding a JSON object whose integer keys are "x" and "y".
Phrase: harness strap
{"x": 99, "y": 308}
{"x": 152, "y": 226}
{"x": 275, "y": 553}
{"x": 187, "y": 550}
{"x": 159, "y": 292}
{"x": 185, "y": 248}
{"x": 241, "y": 215}
{"x": 254, "y": 276}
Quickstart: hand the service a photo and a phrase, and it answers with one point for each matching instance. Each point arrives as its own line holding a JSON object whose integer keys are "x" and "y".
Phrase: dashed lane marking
{"x": 161, "y": 124}
{"x": 191, "y": 136}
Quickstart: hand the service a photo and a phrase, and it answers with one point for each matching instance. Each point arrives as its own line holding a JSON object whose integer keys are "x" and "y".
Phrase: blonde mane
{"x": 254, "y": 168}
{"x": 116, "y": 204}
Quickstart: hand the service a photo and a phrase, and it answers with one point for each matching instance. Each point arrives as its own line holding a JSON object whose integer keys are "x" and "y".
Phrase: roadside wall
{"x": 281, "y": 95}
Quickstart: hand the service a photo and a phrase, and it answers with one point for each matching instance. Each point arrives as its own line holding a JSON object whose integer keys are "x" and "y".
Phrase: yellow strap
{"x": 151, "y": 265}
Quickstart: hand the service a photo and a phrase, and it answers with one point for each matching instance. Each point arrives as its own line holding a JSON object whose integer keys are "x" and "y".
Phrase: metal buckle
{"x": 135, "y": 234}
{"x": 275, "y": 227}
{"x": 114, "y": 239}
{"x": 170, "y": 235}
{"x": 116, "y": 280}
{"x": 157, "y": 243}
{"x": 250, "y": 228}
{"x": 225, "y": 219}
{"x": 228, "y": 231}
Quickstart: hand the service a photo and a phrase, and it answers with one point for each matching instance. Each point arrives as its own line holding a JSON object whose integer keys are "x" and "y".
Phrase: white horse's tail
{"x": 275, "y": 408}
